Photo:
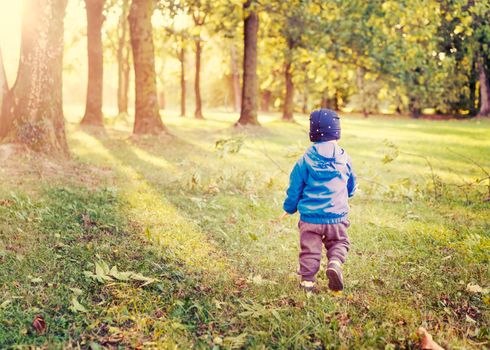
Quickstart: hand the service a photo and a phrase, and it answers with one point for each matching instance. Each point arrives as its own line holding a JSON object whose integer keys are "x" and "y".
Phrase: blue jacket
{"x": 320, "y": 185}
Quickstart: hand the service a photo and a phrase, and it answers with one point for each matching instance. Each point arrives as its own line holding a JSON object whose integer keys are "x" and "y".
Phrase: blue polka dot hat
{"x": 324, "y": 125}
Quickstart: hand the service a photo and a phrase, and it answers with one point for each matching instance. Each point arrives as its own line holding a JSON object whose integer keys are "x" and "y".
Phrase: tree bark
{"x": 197, "y": 81}
{"x": 248, "y": 113}
{"x": 3, "y": 83}
{"x": 484, "y": 90}
{"x": 147, "y": 118}
{"x": 266, "y": 100}
{"x": 324, "y": 102}
{"x": 123, "y": 53}
{"x": 305, "y": 101}
{"x": 93, "y": 106}
{"x": 161, "y": 99}
{"x": 182, "y": 78}
{"x": 235, "y": 79}
{"x": 362, "y": 90}
{"x": 415, "y": 110}
{"x": 289, "y": 98}
{"x": 34, "y": 112}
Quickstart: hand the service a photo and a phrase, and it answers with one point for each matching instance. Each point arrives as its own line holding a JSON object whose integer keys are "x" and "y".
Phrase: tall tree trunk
{"x": 182, "y": 78}
{"x": 248, "y": 113}
{"x": 472, "y": 86}
{"x": 288, "y": 111}
{"x": 197, "y": 81}
{"x": 161, "y": 99}
{"x": 3, "y": 83}
{"x": 34, "y": 111}
{"x": 235, "y": 78}
{"x": 93, "y": 106}
{"x": 362, "y": 90}
{"x": 147, "y": 118}
{"x": 484, "y": 90}
{"x": 324, "y": 102}
{"x": 413, "y": 107}
{"x": 305, "y": 101}
{"x": 123, "y": 53}
{"x": 266, "y": 100}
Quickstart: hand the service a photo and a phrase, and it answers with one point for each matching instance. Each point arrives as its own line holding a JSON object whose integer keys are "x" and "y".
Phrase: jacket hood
{"x": 324, "y": 152}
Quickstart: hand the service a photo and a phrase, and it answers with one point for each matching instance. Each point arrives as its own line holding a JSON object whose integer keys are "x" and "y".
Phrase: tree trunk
{"x": 34, "y": 111}
{"x": 93, "y": 106}
{"x": 305, "y": 101}
{"x": 123, "y": 67}
{"x": 324, "y": 102}
{"x": 161, "y": 99}
{"x": 182, "y": 78}
{"x": 235, "y": 79}
{"x": 3, "y": 83}
{"x": 289, "y": 98}
{"x": 266, "y": 100}
{"x": 484, "y": 90}
{"x": 413, "y": 107}
{"x": 472, "y": 86}
{"x": 362, "y": 90}
{"x": 197, "y": 82}
{"x": 147, "y": 118}
{"x": 248, "y": 113}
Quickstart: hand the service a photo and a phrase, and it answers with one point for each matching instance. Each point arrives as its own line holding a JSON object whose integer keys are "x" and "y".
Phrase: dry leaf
{"x": 39, "y": 324}
{"x": 426, "y": 341}
{"x": 475, "y": 288}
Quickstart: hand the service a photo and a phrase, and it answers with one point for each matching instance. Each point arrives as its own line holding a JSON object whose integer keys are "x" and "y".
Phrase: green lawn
{"x": 201, "y": 260}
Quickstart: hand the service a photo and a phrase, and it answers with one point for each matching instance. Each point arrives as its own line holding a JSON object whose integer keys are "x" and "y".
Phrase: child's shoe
{"x": 308, "y": 286}
{"x": 334, "y": 274}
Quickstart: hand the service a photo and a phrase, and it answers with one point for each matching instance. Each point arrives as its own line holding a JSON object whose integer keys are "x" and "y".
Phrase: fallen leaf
{"x": 426, "y": 341}
{"x": 475, "y": 288}
{"x": 5, "y": 303}
{"x": 76, "y": 306}
{"x": 39, "y": 324}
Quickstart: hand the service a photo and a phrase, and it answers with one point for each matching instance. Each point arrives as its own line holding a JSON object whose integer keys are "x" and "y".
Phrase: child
{"x": 319, "y": 187}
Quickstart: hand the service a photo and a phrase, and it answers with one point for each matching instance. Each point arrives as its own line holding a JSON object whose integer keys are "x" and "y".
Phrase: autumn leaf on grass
{"x": 76, "y": 306}
{"x": 259, "y": 280}
{"x": 235, "y": 342}
{"x": 475, "y": 288}
{"x": 39, "y": 324}
{"x": 104, "y": 273}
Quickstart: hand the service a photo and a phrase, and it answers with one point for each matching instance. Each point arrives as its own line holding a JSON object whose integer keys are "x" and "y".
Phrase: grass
{"x": 207, "y": 264}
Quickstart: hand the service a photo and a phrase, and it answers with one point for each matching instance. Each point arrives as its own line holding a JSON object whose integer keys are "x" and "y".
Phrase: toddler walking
{"x": 320, "y": 184}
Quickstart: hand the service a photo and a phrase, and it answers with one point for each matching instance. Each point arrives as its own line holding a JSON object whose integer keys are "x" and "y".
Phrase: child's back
{"x": 320, "y": 185}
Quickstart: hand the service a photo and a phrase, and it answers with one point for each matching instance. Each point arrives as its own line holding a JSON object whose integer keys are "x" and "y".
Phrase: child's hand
{"x": 275, "y": 221}
{"x": 283, "y": 216}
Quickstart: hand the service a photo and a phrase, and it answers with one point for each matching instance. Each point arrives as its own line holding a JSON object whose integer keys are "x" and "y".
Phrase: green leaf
{"x": 76, "y": 306}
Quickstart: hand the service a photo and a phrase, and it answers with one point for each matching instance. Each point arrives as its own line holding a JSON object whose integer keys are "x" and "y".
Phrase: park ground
{"x": 172, "y": 241}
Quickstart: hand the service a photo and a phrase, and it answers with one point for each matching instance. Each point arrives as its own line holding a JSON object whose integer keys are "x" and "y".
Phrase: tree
{"x": 93, "y": 107}
{"x": 123, "y": 64}
{"x": 199, "y": 11}
{"x": 174, "y": 38}
{"x": 480, "y": 12}
{"x": 292, "y": 21}
{"x": 484, "y": 89}
{"x": 248, "y": 114}
{"x": 235, "y": 78}
{"x": 181, "y": 57}
{"x": 33, "y": 112}
{"x": 3, "y": 82}
{"x": 147, "y": 117}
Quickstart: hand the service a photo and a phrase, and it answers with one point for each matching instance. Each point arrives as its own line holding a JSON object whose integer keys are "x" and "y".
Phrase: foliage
{"x": 223, "y": 268}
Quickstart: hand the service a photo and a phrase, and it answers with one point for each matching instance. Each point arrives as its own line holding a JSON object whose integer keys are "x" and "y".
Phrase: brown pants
{"x": 313, "y": 237}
